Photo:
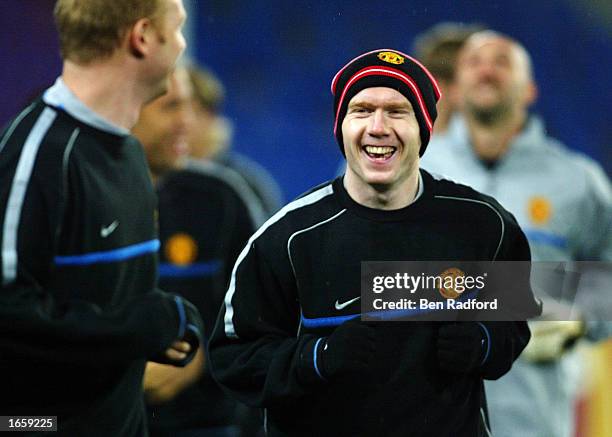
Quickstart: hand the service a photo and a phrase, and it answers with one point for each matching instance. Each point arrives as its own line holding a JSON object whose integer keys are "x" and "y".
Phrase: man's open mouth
{"x": 379, "y": 152}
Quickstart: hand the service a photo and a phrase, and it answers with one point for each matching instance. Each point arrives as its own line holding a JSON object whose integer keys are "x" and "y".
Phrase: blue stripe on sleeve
{"x": 193, "y": 328}
{"x": 326, "y": 321}
{"x": 109, "y": 256}
{"x": 182, "y": 318}
{"x": 486, "y": 331}
{"x": 322, "y": 322}
{"x": 314, "y": 359}
{"x": 547, "y": 238}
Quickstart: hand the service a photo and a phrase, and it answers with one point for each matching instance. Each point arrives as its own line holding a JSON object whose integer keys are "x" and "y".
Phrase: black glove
{"x": 462, "y": 347}
{"x": 190, "y": 329}
{"x": 349, "y": 350}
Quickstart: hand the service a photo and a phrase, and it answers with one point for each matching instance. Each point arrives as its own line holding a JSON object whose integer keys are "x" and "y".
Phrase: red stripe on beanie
{"x": 433, "y": 81}
{"x": 337, "y": 76}
{"x": 384, "y": 71}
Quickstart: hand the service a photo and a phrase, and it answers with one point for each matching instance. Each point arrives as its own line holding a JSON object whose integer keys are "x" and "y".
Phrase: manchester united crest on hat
{"x": 391, "y": 57}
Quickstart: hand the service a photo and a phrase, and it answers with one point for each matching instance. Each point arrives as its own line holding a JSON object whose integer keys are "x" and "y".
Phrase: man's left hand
{"x": 461, "y": 346}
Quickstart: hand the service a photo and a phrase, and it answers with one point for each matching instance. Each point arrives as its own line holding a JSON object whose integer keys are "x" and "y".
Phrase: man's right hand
{"x": 349, "y": 350}
{"x": 551, "y": 339}
{"x": 163, "y": 383}
{"x": 188, "y": 338}
{"x": 178, "y": 351}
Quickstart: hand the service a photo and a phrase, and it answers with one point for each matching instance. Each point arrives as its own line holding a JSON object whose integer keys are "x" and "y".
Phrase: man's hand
{"x": 162, "y": 383}
{"x": 178, "y": 351}
{"x": 188, "y": 338}
{"x": 551, "y": 339}
{"x": 461, "y": 346}
{"x": 349, "y": 350}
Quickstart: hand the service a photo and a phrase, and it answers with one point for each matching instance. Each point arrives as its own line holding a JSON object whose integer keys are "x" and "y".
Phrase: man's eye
{"x": 502, "y": 62}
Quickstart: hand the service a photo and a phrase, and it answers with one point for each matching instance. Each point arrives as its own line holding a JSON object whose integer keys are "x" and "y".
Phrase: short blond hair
{"x": 439, "y": 46}
{"x": 93, "y": 29}
{"x": 207, "y": 88}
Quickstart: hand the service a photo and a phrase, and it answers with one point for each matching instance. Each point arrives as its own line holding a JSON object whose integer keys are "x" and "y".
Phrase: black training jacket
{"x": 79, "y": 309}
{"x": 282, "y": 296}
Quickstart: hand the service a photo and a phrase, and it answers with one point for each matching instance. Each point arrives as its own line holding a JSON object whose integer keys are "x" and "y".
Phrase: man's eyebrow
{"x": 503, "y": 56}
{"x": 399, "y": 105}
{"x": 391, "y": 105}
{"x": 360, "y": 103}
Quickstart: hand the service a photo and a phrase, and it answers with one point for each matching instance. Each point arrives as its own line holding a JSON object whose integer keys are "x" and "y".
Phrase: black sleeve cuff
{"x": 190, "y": 329}
{"x": 309, "y": 367}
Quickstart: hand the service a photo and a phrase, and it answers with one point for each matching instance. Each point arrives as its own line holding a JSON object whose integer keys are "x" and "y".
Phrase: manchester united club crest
{"x": 391, "y": 58}
{"x": 181, "y": 249}
{"x": 449, "y": 279}
{"x": 539, "y": 210}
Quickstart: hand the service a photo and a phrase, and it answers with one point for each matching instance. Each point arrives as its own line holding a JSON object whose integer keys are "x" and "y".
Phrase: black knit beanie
{"x": 392, "y": 69}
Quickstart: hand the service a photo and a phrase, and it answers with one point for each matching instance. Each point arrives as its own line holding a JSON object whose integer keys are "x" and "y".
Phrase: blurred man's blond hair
{"x": 208, "y": 89}
{"x": 438, "y": 47}
{"x": 93, "y": 29}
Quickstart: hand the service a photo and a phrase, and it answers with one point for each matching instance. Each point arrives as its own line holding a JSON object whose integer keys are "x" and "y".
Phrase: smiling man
{"x": 289, "y": 337}
{"x": 386, "y": 157}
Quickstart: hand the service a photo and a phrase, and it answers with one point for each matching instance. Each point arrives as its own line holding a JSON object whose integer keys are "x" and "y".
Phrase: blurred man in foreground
{"x": 80, "y": 312}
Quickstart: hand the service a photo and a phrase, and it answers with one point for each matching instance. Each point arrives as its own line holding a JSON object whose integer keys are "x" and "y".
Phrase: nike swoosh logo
{"x": 343, "y": 305}
{"x": 105, "y": 231}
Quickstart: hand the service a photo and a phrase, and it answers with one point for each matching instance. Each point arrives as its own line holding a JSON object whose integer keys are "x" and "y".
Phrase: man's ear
{"x": 452, "y": 95}
{"x": 140, "y": 37}
{"x": 531, "y": 94}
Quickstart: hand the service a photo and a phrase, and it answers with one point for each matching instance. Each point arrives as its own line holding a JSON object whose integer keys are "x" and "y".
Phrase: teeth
{"x": 379, "y": 150}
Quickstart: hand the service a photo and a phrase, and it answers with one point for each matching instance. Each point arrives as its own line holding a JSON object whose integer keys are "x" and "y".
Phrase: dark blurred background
{"x": 277, "y": 58}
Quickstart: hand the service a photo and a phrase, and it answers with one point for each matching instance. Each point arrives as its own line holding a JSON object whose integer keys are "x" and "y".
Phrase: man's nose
{"x": 185, "y": 118}
{"x": 378, "y": 124}
{"x": 486, "y": 69}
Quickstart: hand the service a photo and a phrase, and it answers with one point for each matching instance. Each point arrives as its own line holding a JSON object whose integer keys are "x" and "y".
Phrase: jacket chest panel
{"x": 327, "y": 262}
{"x": 106, "y": 206}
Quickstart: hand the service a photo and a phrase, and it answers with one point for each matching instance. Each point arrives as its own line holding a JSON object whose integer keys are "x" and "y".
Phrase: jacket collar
{"x": 60, "y": 96}
{"x": 532, "y": 135}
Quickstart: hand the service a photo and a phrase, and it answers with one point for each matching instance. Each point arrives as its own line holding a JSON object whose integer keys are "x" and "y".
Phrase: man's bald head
{"x": 517, "y": 50}
{"x": 494, "y": 77}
